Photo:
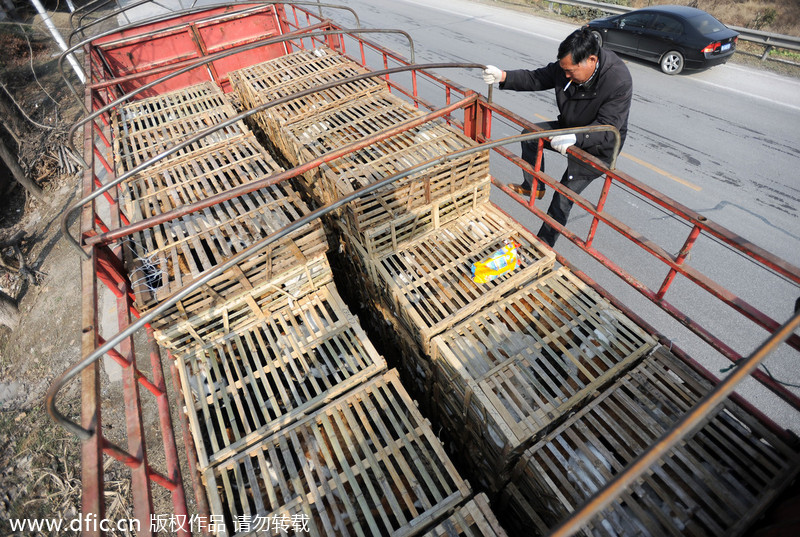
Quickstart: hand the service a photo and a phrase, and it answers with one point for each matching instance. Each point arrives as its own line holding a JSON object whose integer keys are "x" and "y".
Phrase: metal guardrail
{"x": 768, "y": 39}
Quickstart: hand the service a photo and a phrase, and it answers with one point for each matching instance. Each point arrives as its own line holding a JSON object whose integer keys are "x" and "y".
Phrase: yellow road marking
{"x": 666, "y": 174}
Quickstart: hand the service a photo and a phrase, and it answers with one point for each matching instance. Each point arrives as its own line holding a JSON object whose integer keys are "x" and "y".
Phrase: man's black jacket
{"x": 606, "y": 100}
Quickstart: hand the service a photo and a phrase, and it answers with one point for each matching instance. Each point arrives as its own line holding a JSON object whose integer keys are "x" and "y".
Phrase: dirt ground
{"x": 39, "y": 461}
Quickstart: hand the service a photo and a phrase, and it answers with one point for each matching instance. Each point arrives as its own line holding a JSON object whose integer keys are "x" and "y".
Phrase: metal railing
{"x": 767, "y": 39}
{"x": 676, "y": 264}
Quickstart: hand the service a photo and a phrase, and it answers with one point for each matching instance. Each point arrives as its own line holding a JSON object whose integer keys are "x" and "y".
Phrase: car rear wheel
{"x": 599, "y": 38}
{"x": 672, "y": 62}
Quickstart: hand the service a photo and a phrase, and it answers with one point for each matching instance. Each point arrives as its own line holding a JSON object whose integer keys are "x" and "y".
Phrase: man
{"x": 592, "y": 87}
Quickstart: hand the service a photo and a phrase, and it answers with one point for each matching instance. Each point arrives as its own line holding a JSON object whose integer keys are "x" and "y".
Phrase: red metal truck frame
{"x": 209, "y": 43}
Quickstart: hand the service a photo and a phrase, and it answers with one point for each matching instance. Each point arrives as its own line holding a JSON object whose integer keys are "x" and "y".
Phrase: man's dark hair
{"x": 581, "y": 44}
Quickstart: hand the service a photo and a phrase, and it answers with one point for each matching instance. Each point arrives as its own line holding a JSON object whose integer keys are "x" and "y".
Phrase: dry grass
{"x": 777, "y": 16}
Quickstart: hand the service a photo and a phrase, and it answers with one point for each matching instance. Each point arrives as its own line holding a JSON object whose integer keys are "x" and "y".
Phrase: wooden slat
{"x": 318, "y": 126}
{"x": 205, "y": 173}
{"x": 517, "y": 367}
{"x": 473, "y": 519}
{"x": 265, "y": 375}
{"x": 711, "y": 484}
{"x": 354, "y": 120}
{"x": 284, "y": 76}
{"x": 347, "y": 122}
{"x": 367, "y": 463}
{"x": 382, "y": 239}
{"x": 430, "y": 279}
{"x": 231, "y": 302}
{"x": 145, "y": 128}
{"x": 165, "y": 257}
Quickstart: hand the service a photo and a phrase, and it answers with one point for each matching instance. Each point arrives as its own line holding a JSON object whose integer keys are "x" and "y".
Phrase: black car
{"x": 673, "y": 36}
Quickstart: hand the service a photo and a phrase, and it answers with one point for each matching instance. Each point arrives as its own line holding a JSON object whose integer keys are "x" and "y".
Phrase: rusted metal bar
{"x": 102, "y": 135}
{"x": 229, "y": 194}
{"x": 168, "y": 433}
{"x": 136, "y": 463}
{"x": 682, "y": 255}
{"x": 601, "y": 203}
{"x": 103, "y": 160}
{"x": 130, "y": 173}
{"x": 134, "y": 423}
{"x": 108, "y": 273}
{"x": 92, "y": 479}
{"x": 126, "y": 363}
{"x": 682, "y": 428}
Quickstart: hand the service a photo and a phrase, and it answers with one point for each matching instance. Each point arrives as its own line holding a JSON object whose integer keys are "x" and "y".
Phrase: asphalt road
{"x": 724, "y": 142}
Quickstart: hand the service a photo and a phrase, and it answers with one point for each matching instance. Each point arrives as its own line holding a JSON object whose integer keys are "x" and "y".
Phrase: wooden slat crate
{"x": 716, "y": 482}
{"x": 252, "y": 382}
{"x": 145, "y": 128}
{"x": 366, "y": 464}
{"x": 165, "y": 258}
{"x": 512, "y": 371}
{"x": 473, "y": 519}
{"x": 152, "y": 112}
{"x": 430, "y": 280}
{"x": 231, "y": 301}
{"x": 287, "y": 75}
{"x": 397, "y": 154}
{"x": 380, "y": 240}
{"x": 350, "y": 122}
{"x": 205, "y": 173}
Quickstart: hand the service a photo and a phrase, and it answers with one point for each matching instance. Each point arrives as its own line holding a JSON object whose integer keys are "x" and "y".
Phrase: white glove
{"x": 492, "y": 74}
{"x": 561, "y": 142}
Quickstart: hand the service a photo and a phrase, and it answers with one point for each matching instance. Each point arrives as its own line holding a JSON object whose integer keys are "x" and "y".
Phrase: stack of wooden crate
{"x": 546, "y": 388}
{"x": 510, "y": 372}
{"x": 408, "y": 236}
{"x": 366, "y": 464}
{"x": 291, "y": 409}
{"x": 715, "y": 482}
{"x": 417, "y": 243}
{"x": 164, "y": 258}
{"x": 310, "y": 126}
{"x": 256, "y": 379}
{"x": 280, "y": 79}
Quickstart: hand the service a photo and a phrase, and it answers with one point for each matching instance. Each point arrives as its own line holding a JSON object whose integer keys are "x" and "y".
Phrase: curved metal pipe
{"x": 231, "y": 121}
{"x": 147, "y": 318}
{"x": 241, "y": 190}
{"x": 89, "y": 8}
{"x": 166, "y": 17}
{"x": 190, "y": 10}
{"x": 214, "y": 57}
